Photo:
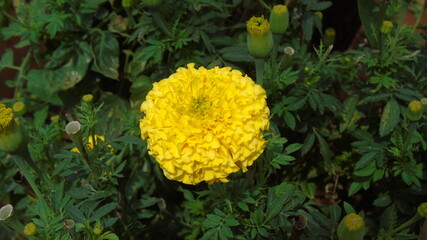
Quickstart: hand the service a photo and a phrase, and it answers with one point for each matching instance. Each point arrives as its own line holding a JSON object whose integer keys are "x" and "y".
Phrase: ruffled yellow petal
{"x": 203, "y": 124}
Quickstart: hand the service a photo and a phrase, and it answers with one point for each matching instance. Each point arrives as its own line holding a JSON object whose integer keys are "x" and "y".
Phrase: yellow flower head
{"x": 6, "y": 119}
{"x": 203, "y": 124}
{"x": 30, "y": 229}
{"x": 90, "y": 146}
{"x": 258, "y": 26}
{"x": 353, "y": 222}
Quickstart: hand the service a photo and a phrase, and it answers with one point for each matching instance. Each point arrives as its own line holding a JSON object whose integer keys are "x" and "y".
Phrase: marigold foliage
{"x": 203, "y": 124}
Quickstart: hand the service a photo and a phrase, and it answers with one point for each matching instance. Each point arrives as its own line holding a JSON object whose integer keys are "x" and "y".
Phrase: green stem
{"x": 14, "y": 225}
{"x": 259, "y": 66}
{"x": 407, "y": 224}
{"x": 276, "y": 41}
{"x": 412, "y": 127}
{"x": 419, "y": 17}
{"x": 21, "y": 70}
{"x": 22, "y": 165}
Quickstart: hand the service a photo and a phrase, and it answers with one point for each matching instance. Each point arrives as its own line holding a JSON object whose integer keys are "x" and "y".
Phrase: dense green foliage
{"x": 340, "y": 139}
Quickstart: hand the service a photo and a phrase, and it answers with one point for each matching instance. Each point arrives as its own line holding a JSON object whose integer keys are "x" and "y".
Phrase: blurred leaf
{"x": 236, "y": 54}
{"x": 102, "y": 211}
{"x": 319, "y": 6}
{"x": 105, "y": 50}
{"x": 369, "y": 19}
{"x": 6, "y": 59}
{"x": 390, "y": 117}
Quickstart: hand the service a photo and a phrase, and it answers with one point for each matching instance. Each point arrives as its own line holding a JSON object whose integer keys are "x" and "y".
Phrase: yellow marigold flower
{"x": 30, "y": 229}
{"x": 203, "y": 124}
{"x": 87, "y": 98}
{"x": 90, "y": 146}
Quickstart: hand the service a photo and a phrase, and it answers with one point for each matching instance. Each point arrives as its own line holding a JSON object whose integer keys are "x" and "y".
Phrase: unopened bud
{"x": 19, "y": 108}
{"x": 422, "y": 209}
{"x": 30, "y": 229}
{"x": 329, "y": 37}
{"x": 97, "y": 230}
{"x": 260, "y": 38}
{"x": 415, "y": 110}
{"x": 386, "y": 27}
{"x": 279, "y": 19}
{"x": 319, "y": 14}
{"x": 12, "y": 136}
{"x": 352, "y": 227}
{"x": 87, "y": 98}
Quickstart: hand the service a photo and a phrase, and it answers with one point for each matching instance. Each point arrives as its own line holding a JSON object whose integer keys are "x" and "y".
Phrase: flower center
{"x": 200, "y": 105}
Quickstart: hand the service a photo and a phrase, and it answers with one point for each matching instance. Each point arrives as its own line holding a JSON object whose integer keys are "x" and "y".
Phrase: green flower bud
{"x": 30, "y": 229}
{"x": 422, "y": 209}
{"x": 386, "y": 27}
{"x": 97, "y": 230}
{"x": 12, "y": 136}
{"x": 279, "y": 19}
{"x": 69, "y": 223}
{"x": 260, "y": 38}
{"x": 151, "y": 3}
{"x": 329, "y": 37}
{"x": 127, "y": 3}
{"x": 352, "y": 227}
{"x": 87, "y": 98}
{"x": 19, "y": 108}
{"x": 415, "y": 110}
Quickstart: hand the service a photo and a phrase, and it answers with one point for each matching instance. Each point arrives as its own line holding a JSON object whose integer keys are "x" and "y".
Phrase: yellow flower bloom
{"x": 6, "y": 119}
{"x": 353, "y": 222}
{"x": 352, "y": 227}
{"x": 90, "y": 146}
{"x": 203, "y": 124}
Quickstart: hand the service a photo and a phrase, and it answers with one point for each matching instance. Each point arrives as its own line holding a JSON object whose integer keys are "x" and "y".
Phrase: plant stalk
{"x": 259, "y": 67}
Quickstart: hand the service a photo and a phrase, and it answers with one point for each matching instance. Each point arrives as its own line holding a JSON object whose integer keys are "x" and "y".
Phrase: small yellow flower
{"x": 90, "y": 146}
{"x": 204, "y": 124}
{"x": 30, "y": 229}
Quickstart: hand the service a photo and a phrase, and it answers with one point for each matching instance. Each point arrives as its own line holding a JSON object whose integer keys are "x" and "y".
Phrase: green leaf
{"x": 211, "y": 234}
{"x": 225, "y": 232}
{"x": 365, "y": 160}
{"x": 382, "y": 201}
{"x": 348, "y": 208}
{"x": 102, "y": 211}
{"x": 307, "y": 25}
{"x": 236, "y": 54}
{"x": 369, "y": 19}
{"x": 290, "y": 120}
{"x": 309, "y": 189}
{"x": 320, "y": 6}
{"x": 308, "y": 143}
{"x": 354, "y": 188}
{"x": 212, "y": 220}
{"x": 325, "y": 152}
{"x": 6, "y": 59}
{"x": 105, "y": 50}
{"x": 293, "y": 148}
{"x": 335, "y": 212}
{"x": 390, "y": 117}
{"x": 367, "y": 171}
{"x": 231, "y": 221}
{"x": 75, "y": 213}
